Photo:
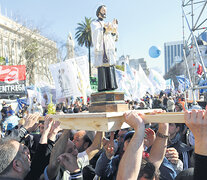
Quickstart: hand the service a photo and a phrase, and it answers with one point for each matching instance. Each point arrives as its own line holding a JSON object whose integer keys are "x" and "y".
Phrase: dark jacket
{"x": 200, "y": 167}
{"x": 40, "y": 160}
{"x": 183, "y": 150}
{"x": 106, "y": 168}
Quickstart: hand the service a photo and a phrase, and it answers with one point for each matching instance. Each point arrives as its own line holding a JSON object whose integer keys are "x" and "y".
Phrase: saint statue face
{"x": 102, "y": 13}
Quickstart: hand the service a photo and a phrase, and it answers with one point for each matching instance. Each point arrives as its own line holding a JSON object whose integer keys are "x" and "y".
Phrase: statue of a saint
{"x": 104, "y": 36}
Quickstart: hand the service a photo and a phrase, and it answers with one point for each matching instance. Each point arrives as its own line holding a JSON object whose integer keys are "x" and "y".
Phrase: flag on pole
{"x": 184, "y": 83}
{"x": 121, "y": 82}
{"x": 157, "y": 80}
{"x": 145, "y": 83}
{"x": 199, "y": 69}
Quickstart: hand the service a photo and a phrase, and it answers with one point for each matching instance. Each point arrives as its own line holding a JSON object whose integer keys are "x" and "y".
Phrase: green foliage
{"x": 120, "y": 67}
{"x": 83, "y": 33}
{"x": 83, "y": 36}
{"x": 31, "y": 48}
{"x": 2, "y": 61}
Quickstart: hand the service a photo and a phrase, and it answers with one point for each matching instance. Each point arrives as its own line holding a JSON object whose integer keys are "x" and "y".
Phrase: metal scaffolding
{"x": 194, "y": 18}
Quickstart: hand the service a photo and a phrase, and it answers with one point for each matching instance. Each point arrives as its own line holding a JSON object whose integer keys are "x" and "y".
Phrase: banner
{"x": 12, "y": 80}
{"x": 71, "y": 78}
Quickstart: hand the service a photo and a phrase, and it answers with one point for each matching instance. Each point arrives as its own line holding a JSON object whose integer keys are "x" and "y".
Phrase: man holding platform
{"x": 104, "y": 36}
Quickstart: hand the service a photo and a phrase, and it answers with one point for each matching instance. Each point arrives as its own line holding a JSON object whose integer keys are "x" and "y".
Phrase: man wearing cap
{"x": 104, "y": 36}
{"x": 14, "y": 160}
{"x": 11, "y": 121}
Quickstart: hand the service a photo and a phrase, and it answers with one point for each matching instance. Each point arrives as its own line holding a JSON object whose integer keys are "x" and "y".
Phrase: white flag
{"x": 157, "y": 80}
{"x": 145, "y": 83}
{"x": 122, "y": 84}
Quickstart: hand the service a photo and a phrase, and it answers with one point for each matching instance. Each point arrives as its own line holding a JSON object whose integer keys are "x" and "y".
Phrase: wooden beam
{"x": 111, "y": 121}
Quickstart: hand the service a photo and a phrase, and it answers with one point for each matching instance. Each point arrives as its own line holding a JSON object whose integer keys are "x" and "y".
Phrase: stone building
{"x": 133, "y": 63}
{"x": 20, "y": 45}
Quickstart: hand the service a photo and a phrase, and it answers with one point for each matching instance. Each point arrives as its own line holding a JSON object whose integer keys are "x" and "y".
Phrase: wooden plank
{"x": 111, "y": 121}
{"x": 165, "y": 117}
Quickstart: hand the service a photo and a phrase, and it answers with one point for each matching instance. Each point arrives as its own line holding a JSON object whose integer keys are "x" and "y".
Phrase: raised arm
{"x": 95, "y": 146}
{"x": 131, "y": 161}
{"x": 159, "y": 146}
{"x": 59, "y": 148}
{"x": 197, "y": 123}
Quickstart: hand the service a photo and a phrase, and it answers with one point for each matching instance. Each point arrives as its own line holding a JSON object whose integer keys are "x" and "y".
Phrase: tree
{"x": 37, "y": 55}
{"x": 83, "y": 36}
{"x": 2, "y": 61}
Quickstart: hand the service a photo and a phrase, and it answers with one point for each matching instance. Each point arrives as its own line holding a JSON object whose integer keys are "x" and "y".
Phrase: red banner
{"x": 12, "y": 79}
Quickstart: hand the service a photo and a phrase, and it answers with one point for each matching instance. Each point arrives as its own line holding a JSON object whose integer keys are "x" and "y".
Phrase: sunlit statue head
{"x": 101, "y": 12}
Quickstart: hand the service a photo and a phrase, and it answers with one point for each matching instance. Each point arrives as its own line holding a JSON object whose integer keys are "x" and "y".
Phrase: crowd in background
{"x": 32, "y": 149}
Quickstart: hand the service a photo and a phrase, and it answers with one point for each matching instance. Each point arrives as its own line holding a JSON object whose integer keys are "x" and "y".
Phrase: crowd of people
{"x": 32, "y": 149}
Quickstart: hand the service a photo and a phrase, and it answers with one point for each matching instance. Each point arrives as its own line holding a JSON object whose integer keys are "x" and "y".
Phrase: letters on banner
{"x": 70, "y": 77}
{"x": 12, "y": 79}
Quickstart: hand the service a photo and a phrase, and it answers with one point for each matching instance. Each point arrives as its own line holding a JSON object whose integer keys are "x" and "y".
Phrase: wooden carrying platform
{"x": 111, "y": 121}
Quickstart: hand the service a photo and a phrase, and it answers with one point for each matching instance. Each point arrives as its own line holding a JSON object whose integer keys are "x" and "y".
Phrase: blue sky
{"x": 141, "y": 23}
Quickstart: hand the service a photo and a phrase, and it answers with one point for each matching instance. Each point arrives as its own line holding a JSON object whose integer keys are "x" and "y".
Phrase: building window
{"x": 179, "y": 50}
{"x": 172, "y": 55}
{"x": 175, "y": 50}
{"x": 182, "y": 50}
{"x": 165, "y": 49}
{"x": 12, "y": 43}
{"x": 168, "y": 59}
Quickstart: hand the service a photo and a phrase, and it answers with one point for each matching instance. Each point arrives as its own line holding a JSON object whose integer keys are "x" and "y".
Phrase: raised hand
{"x": 134, "y": 120}
{"x": 30, "y": 120}
{"x": 109, "y": 146}
{"x": 69, "y": 162}
{"x": 172, "y": 155}
{"x": 47, "y": 124}
{"x": 197, "y": 123}
{"x": 150, "y": 137}
{"x": 54, "y": 130}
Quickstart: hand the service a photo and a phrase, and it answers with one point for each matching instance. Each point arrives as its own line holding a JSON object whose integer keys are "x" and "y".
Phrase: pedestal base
{"x": 108, "y": 101}
{"x": 109, "y": 108}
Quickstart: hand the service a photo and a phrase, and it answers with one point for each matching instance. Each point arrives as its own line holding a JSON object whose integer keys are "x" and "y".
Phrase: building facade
{"x": 173, "y": 53}
{"x": 20, "y": 45}
{"x": 133, "y": 63}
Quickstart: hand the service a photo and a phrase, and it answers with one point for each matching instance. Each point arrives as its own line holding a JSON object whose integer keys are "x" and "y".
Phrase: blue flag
{"x": 184, "y": 83}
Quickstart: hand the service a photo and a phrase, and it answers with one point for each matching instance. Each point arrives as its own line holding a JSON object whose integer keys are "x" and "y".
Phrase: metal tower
{"x": 194, "y": 23}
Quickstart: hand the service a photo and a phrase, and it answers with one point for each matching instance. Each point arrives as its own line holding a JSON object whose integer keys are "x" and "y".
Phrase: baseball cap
{"x": 128, "y": 135}
{"x": 10, "y": 112}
